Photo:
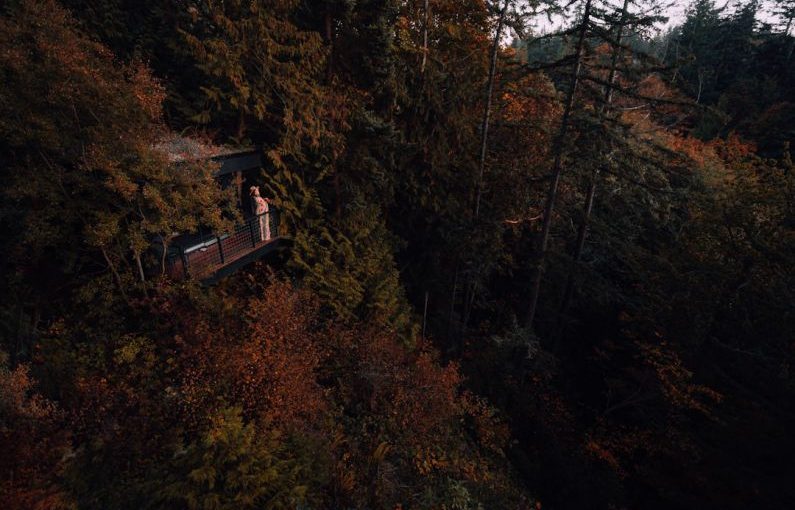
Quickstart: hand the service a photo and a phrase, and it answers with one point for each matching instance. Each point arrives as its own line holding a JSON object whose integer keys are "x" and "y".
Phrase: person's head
{"x": 254, "y": 191}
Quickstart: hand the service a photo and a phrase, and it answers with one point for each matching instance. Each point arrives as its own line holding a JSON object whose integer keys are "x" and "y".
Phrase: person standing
{"x": 261, "y": 210}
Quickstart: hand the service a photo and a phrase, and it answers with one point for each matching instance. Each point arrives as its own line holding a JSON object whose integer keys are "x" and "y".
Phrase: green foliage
{"x": 234, "y": 466}
{"x": 731, "y": 61}
{"x": 258, "y": 67}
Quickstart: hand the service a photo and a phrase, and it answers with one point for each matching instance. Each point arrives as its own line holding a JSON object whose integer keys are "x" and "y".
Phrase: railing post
{"x": 220, "y": 249}
{"x": 184, "y": 258}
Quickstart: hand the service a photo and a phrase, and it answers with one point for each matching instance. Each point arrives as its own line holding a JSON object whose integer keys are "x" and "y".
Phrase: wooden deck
{"x": 211, "y": 257}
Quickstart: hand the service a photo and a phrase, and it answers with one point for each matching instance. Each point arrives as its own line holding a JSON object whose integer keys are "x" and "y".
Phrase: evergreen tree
{"x": 697, "y": 42}
{"x": 234, "y": 466}
{"x": 598, "y": 24}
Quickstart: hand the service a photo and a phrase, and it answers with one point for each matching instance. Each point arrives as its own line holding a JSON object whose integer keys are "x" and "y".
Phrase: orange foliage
{"x": 384, "y": 410}
{"x": 689, "y": 146}
{"x": 32, "y": 444}
{"x": 277, "y": 363}
{"x": 519, "y": 106}
{"x": 262, "y": 357}
{"x": 732, "y": 148}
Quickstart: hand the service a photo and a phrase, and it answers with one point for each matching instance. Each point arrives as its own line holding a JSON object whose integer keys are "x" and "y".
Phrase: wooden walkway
{"x": 210, "y": 258}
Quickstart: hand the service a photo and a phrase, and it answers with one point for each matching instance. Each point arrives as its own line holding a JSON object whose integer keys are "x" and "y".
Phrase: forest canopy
{"x": 504, "y": 268}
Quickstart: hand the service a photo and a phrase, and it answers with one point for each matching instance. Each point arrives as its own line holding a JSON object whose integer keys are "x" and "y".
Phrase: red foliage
{"x": 32, "y": 445}
{"x": 261, "y": 355}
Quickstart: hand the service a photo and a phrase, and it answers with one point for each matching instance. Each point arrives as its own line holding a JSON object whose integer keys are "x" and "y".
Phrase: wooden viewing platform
{"x": 211, "y": 257}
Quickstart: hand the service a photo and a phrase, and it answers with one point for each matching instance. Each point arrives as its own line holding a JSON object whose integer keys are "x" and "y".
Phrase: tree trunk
{"x": 557, "y": 167}
{"x": 452, "y": 305}
{"x": 115, "y": 273}
{"x": 328, "y": 22}
{"x": 582, "y": 232}
{"x": 424, "y": 315}
{"x": 425, "y": 14}
{"x": 484, "y": 131}
{"x": 140, "y": 267}
{"x": 163, "y": 255}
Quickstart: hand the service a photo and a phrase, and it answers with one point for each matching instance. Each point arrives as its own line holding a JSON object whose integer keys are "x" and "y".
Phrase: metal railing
{"x": 216, "y": 251}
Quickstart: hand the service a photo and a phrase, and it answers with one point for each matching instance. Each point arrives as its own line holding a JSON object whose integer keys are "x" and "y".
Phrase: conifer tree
{"x": 582, "y": 231}
{"x": 501, "y": 21}
{"x": 784, "y": 10}
{"x": 620, "y": 74}
{"x": 259, "y": 73}
{"x": 234, "y": 466}
{"x": 557, "y": 165}
{"x": 696, "y": 42}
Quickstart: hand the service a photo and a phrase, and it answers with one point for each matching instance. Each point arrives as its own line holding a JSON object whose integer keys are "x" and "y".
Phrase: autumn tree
{"x": 35, "y": 442}
{"x": 88, "y": 193}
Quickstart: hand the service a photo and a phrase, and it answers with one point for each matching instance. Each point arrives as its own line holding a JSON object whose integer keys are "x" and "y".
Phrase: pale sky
{"x": 675, "y": 10}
